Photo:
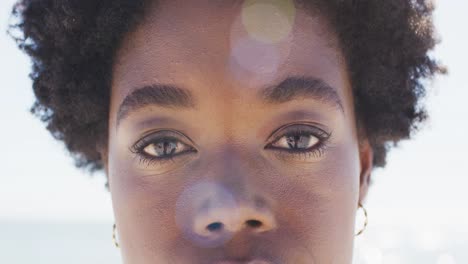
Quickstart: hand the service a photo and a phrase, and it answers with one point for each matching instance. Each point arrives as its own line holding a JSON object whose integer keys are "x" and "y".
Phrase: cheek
{"x": 144, "y": 211}
{"x": 319, "y": 201}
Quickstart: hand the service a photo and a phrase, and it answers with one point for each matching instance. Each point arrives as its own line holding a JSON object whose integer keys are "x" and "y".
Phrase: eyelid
{"x": 283, "y": 130}
{"x": 316, "y": 152}
{"x": 138, "y": 148}
{"x": 161, "y": 134}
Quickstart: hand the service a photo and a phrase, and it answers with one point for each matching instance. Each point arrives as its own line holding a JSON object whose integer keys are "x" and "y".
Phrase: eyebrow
{"x": 162, "y": 95}
{"x": 293, "y": 87}
{"x": 297, "y": 87}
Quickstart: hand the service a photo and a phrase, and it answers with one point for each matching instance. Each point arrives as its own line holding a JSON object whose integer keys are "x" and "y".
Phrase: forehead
{"x": 227, "y": 48}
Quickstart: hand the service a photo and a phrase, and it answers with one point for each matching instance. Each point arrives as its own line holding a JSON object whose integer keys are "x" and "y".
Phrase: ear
{"x": 366, "y": 155}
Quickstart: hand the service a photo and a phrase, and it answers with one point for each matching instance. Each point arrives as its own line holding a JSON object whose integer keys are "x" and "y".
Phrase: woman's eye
{"x": 161, "y": 147}
{"x": 300, "y": 142}
{"x": 165, "y": 148}
{"x": 296, "y": 142}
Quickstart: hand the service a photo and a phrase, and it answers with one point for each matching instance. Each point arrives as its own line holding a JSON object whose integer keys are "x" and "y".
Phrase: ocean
{"x": 55, "y": 242}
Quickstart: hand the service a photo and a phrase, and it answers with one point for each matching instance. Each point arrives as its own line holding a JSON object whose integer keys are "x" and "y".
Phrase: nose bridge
{"x": 230, "y": 168}
{"x": 234, "y": 168}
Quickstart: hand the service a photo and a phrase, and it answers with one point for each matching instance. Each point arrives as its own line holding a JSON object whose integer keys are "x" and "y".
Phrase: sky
{"x": 425, "y": 181}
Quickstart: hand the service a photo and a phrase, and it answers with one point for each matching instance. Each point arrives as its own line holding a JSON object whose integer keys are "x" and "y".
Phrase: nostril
{"x": 253, "y": 223}
{"x": 214, "y": 226}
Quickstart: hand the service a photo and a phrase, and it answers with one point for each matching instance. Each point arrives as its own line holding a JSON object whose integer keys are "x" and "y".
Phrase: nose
{"x": 223, "y": 213}
{"x": 228, "y": 200}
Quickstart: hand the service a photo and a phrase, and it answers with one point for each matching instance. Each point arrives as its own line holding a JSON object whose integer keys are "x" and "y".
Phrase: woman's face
{"x": 232, "y": 137}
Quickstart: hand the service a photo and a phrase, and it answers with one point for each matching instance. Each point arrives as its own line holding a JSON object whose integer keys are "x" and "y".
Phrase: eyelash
{"x": 139, "y": 147}
{"x": 315, "y": 151}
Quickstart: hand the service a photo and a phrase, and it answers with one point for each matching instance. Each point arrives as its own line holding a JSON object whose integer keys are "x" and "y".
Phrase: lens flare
{"x": 268, "y": 21}
{"x": 254, "y": 57}
{"x": 260, "y": 41}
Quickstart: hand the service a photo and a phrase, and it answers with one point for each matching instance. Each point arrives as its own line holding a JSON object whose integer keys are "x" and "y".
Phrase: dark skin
{"x": 230, "y": 191}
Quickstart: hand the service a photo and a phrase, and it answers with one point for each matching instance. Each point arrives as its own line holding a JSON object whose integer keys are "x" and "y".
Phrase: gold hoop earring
{"x": 114, "y": 239}
{"x": 365, "y": 220}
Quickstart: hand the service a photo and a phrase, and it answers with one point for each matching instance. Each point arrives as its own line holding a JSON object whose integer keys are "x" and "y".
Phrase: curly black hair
{"x": 72, "y": 44}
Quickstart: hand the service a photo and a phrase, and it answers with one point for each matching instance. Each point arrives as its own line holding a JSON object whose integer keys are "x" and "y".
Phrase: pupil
{"x": 303, "y": 141}
{"x": 165, "y": 148}
{"x": 298, "y": 141}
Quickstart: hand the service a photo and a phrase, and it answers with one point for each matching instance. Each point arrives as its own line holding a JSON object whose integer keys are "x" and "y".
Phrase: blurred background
{"x": 52, "y": 213}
